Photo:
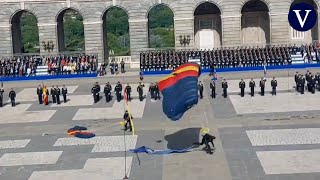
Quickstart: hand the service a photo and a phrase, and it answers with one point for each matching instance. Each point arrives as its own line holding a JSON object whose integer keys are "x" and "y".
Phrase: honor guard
{"x": 274, "y": 85}
{"x": 156, "y": 91}
{"x": 53, "y": 94}
{"x": 98, "y": 91}
{"x": 140, "y": 91}
{"x": 296, "y": 79}
{"x": 151, "y": 91}
{"x": 242, "y": 86}
{"x": 262, "y": 86}
{"x": 312, "y": 84}
{"x": 200, "y": 88}
{"x": 128, "y": 119}
{"x": 117, "y": 90}
{"x": 302, "y": 84}
{"x": 252, "y": 85}
{"x": 39, "y": 93}
{"x": 58, "y": 94}
{"x": 213, "y": 89}
{"x": 1, "y": 96}
{"x": 225, "y": 88}
{"x": 64, "y": 92}
{"x": 128, "y": 92}
{"x": 12, "y": 96}
{"x": 94, "y": 91}
{"x": 107, "y": 92}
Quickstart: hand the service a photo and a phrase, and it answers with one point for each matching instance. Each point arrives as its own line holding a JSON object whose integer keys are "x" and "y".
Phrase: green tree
{"x": 29, "y": 33}
{"x": 73, "y": 31}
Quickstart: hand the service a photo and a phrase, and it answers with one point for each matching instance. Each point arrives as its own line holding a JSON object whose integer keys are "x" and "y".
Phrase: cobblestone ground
{"x": 267, "y": 138}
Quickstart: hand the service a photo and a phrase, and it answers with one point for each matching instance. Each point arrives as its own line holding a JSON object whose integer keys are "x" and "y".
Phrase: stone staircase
{"x": 42, "y": 70}
{"x": 297, "y": 58}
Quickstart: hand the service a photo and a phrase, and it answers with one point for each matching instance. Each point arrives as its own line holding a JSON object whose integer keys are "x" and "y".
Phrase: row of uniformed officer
{"x": 262, "y": 84}
{"x": 55, "y": 93}
{"x": 12, "y": 96}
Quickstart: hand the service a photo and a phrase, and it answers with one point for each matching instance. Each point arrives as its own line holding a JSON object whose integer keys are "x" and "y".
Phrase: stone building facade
{"x": 223, "y": 22}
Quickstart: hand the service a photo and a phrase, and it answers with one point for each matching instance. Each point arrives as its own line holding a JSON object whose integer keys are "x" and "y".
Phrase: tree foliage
{"x": 161, "y": 30}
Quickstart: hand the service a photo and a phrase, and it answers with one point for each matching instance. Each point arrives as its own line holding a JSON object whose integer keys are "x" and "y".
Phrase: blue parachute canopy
{"x": 180, "y": 90}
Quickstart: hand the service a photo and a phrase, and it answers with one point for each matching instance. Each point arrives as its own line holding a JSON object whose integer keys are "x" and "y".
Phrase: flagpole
{"x": 124, "y": 137}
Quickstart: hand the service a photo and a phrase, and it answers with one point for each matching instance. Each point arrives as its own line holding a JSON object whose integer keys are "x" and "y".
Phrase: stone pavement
{"x": 265, "y": 138}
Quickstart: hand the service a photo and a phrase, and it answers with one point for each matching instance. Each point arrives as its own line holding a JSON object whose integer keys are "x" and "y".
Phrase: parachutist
{"x": 206, "y": 139}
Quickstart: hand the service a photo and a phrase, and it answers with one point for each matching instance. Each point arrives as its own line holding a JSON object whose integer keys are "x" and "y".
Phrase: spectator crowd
{"x": 56, "y": 65}
{"x": 229, "y": 57}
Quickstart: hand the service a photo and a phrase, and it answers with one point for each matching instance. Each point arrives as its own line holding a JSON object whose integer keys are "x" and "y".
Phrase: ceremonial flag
{"x": 215, "y": 76}
{"x": 264, "y": 72}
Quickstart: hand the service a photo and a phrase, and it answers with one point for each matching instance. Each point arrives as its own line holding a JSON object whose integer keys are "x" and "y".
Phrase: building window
{"x": 296, "y": 34}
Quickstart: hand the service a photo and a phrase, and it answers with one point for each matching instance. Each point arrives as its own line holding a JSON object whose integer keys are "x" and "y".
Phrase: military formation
{"x": 12, "y": 97}
{"x": 309, "y": 81}
{"x": 118, "y": 89}
{"x": 218, "y": 58}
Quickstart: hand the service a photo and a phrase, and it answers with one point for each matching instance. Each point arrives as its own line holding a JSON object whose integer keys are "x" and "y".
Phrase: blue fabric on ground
{"x": 78, "y": 128}
{"x": 84, "y": 135}
{"x": 147, "y": 150}
{"x": 180, "y": 97}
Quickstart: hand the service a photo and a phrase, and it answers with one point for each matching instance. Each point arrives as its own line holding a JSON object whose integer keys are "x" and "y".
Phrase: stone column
{"x": 231, "y": 30}
{"x": 94, "y": 39}
{"x": 138, "y": 39}
{"x": 184, "y": 26}
{"x": 5, "y": 39}
{"x": 280, "y": 32}
{"x": 47, "y": 32}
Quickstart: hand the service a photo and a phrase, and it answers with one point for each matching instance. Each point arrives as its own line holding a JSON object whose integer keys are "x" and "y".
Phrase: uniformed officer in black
{"x": 302, "y": 84}
{"x": 122, "y": 66}
{"x": 156, "y": 91}
{"x": 12, "y": 96}
{"x": 242, "y": 86}
{"x": 252, "y": 85}
{"x": 128, "y": 92}
{"x": 262, "y": 86}
{"x": 225, "y": 88}
{"x": 140, "y": 91}
{"x": 107, "y": 92}
{"x": 213, "y": 89}
{"x": 128, "y": 120}
{"x": 57, "y": 94}
{"x": 94, "y": 91}
{"x": 312, "y": 84}
{"x": 117, "y": 90}
{"x": 200, "y": 88}
{"x": 98, "y": 89}
{"x": 53, "y": 94}
{"x": 317, "y": 79}
{"x": 151, "y": 91}
{"x": 39, "y": 93}
{"x": 274, "y": 85}
{"x": 1, "y": 96}
{"x": 296, "y": 79}
{"x": 64, "y": 92}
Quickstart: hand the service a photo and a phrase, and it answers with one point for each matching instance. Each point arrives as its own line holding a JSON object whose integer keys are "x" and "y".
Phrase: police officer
{"x": 128, "y": 120}
{"x": 53, "y": 94}
{"x": 107, "y": 91}
{"x": 302, "y": 84}
{"x": 213, "y": 89}
{"x": 252, "y": 85}
{"x": 39, "y": 93}
{"x": 224, "y": 87}
{"x": 1, "y": 96}
{"x": 140, "y": 91}
{"x": 117, "y": 90}
{"x": 274, "y": 85}
{"x": 128, "y": 92}
{"x": 156, "y": 91}
{"x": 200, "y": 87}
{"x": 312, "y": 84}
{"x": 57, "y": 94}
{"x": 296, "y": 79}
{"x": 64, "y": 92}
{"x": 262, "y": 86}
{"x": 12, "y": 96}
{"x": 151, "y": 91}
{"x": 94, "y": 91}
{"x": 242, "y": 86}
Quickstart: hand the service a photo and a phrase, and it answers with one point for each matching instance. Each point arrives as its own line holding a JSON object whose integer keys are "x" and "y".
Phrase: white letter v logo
{"x": 301, "y": 22}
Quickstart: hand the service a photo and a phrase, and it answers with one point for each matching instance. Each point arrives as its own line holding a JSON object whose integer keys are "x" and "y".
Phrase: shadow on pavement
{"x": 183, "y": 139}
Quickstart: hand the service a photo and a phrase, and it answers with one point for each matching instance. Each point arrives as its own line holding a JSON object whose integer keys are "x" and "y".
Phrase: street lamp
{"x": 48, "y": 46}
{"x": 184, "y": 40}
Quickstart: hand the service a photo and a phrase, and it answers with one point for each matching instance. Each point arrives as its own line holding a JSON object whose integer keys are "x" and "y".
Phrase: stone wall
{"x": 92, "y": 11}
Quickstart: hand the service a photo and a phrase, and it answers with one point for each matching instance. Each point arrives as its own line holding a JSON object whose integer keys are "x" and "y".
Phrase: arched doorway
{"x": 207, "y": 26}
{"x": 255, "y": 23}
{"x": 70, "y": 31}
{"x": 25, "y": 34}
{"x": 116, "y": 37}
{"x": 161, "y": 27}
{"x": 309, "y": 36}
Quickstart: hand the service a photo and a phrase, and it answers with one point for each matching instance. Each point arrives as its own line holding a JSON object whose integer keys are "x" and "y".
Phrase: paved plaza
{"x": 258, "y": 138}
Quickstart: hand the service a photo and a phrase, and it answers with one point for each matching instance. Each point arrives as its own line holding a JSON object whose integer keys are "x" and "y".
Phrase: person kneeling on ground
{"x": 127, "y": 118}
{"x": 206, "y": 139}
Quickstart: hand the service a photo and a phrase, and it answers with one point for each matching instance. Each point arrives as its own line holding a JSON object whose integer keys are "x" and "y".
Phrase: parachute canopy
{"x": 180, "y": 90}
